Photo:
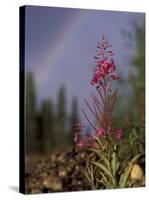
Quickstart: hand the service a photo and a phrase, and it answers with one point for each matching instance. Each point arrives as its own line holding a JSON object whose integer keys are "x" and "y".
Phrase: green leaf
{"x": 104, "y": 180}
{"x": 92, "y": 173}
{"x": 89, "y": 171}
{"x": 104, "y": 169}
{"x": 102, "y": 156}
{"x": 136, "y": 157}
{"x": 84, "y": 173}
{"x": 88, "y": 178}
{"x": 107, "y": 178}
{"x": 124, "y": 176}
{"x": 87, "y": 166}
{"x": 99, "y": 142}
{"x": 133, "y": 136}
{"x": 114, "y": 163}
{"x": 127, "y": 171}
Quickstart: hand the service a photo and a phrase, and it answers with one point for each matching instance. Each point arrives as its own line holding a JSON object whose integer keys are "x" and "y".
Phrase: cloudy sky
{"x": 60, "y": 44}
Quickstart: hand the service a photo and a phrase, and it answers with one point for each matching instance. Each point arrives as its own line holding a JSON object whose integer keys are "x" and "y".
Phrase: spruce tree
{"x": 31, "y": 125}
{"x": 40, "y": 144}
{"x": 47, "y": 138}
{"x": 139, "y": 63}
{"x": 59, "y": 133}
{"x": 74, "y": 118}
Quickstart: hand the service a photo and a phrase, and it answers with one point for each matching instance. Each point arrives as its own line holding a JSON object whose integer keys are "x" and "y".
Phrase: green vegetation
{"x": 46, "y": 129}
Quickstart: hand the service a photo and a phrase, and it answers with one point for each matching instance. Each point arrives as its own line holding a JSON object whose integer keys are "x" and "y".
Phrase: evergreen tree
{"x": 31, "y": 126}
{"x": 74, "y": 118}
{"x": 40, "y": 144}
{"x": 138, "y": 61}
{"x": 136, "y": 104}
{"x": 47, "y": 138}
{"x": 59, "y": 134}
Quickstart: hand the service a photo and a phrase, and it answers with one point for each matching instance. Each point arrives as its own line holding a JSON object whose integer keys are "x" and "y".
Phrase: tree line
{"x": 47, "y": 129}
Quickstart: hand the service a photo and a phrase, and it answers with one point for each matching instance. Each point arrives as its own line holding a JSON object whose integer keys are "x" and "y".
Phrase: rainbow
{"x": 45, "y": 66}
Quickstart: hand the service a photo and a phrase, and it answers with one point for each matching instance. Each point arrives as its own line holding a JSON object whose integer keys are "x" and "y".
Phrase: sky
{"x": 60, "y": 44}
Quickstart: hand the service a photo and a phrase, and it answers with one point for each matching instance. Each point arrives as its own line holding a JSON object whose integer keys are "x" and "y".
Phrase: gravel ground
{"x": 57, "y": 173}
{"x": 60, "y": 172}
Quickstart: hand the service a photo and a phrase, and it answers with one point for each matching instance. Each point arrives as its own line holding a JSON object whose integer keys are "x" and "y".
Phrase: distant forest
{"x": 46, "y": 127}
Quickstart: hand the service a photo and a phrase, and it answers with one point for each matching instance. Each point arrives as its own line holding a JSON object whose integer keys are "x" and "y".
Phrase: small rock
{"x": 52, "y": 183}
{"x": 35, "y": 191}
{"x": 62, "y": 173}
{"x": 136, "y": 173}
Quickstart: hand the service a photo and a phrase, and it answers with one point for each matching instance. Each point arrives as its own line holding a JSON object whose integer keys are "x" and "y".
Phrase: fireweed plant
{"x": 104, "y": 169}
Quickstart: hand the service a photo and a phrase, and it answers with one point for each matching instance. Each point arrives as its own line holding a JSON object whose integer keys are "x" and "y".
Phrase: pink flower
{"x": 105, "y": 64}
{"x": 101, "y": 71}
{"x": 111, "y": 66}
{"x": 76, "y": 137}
{"x": 100, "y": 132}
{"x": 115, "y": 77}
{"x": 102, "y": 107}
{"x": 96, "y": 77}
{"x": 89, "y": 137}
{"x": 104, "y": 44}
{"x": 90, "y": 142}
{"x": 118, "y": 135}
{"x": 93, "y": 144}
{"x": 80, "y": 144}
{"x": 77, "y": 132}
{"x": 101, "y": 53}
